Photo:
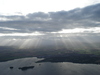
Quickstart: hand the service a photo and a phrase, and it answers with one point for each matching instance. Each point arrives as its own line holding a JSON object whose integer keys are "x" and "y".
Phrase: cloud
{"x": 38, "y": 15}
{"x": 52, "y": 21}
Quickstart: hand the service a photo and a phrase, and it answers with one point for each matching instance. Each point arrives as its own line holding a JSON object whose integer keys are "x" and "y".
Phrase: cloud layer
{"x": 52, "y": 21}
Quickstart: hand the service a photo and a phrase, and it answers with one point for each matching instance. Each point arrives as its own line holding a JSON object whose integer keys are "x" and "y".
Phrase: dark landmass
{"x": 52, "y": 55}
{"x": 75, "y": 58}
{"x": 11, "y": 67}
{"x": 26, "y": 68}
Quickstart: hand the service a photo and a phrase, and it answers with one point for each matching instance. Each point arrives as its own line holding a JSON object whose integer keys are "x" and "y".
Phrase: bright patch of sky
{"x": 12, "y": 7}
{"x": 21, "y": 34}
{"x": 81, "y": 30}
{"x": 75, "y": 30}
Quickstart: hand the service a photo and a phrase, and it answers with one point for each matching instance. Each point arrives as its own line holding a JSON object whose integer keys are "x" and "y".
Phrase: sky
{"x": 48, "y": 19}
{"x": 10, "y": 7}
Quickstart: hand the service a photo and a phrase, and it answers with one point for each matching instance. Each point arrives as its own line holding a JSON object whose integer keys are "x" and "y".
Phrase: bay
{"x": 30, "y": 67}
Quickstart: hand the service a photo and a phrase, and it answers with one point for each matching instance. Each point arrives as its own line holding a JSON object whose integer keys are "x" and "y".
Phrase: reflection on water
{"x": 46, "y": 68}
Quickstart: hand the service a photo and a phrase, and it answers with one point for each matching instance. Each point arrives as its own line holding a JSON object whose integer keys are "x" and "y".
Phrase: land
{"x": 75, "y": 58}
{"x": 91, "y": 56}
{"x": 26, "y": 68}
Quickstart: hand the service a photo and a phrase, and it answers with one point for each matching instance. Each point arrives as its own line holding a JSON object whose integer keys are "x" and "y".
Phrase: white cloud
{"x": 6, "y": 28}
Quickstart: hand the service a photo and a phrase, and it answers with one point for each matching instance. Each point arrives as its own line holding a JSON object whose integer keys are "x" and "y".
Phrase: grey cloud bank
{"x": 52, "y": 21}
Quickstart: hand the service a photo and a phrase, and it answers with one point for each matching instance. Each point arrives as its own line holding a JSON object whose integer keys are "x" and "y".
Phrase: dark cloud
{"x": 38, "y": 15}
{"x": 53, "y": 21}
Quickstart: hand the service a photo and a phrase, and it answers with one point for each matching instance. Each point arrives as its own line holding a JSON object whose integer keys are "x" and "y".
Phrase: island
{"x": 26, "y": 68}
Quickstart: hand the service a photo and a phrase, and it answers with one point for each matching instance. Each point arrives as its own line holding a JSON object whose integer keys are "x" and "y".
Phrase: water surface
{"x": 47, "y": 68}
